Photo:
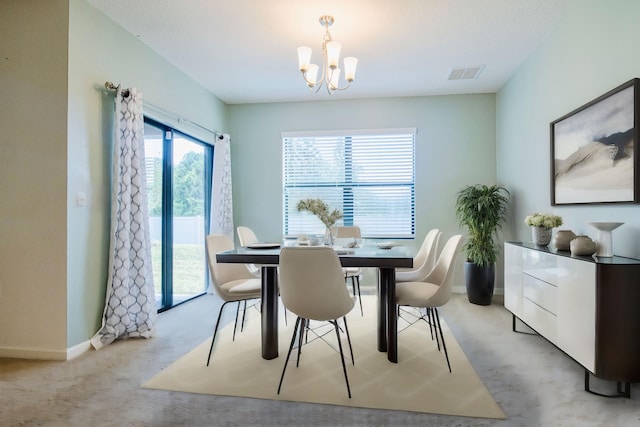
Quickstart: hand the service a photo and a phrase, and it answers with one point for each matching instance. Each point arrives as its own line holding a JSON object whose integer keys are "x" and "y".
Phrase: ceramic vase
{"x": 583, "y": 246}
{"x": 541, "y": 236}
{"x": 562, "y": 239}
{"x": 328, "y": 237}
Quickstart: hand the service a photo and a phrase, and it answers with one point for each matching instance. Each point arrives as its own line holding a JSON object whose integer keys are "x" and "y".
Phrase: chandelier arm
{"x": 342, "y": 88}
{"x": 311, "y": 84}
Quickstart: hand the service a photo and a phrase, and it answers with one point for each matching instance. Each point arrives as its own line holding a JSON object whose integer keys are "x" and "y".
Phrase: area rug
{"x": 419, "y": 382}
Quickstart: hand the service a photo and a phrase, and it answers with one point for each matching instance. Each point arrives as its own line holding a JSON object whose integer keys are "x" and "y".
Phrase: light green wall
{"x": 100, "y": 51}
{"x": 33, "y": 152}
{"x": 455, "y": 146}
{"x": 593, "y": 50}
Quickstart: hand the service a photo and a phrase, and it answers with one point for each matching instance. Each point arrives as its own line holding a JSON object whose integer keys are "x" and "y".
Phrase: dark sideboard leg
{"x": 619, "y": 388}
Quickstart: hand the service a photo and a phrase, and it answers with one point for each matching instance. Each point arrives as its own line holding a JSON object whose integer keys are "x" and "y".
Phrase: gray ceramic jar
{"x": 562, "y": 239}
{"x": 583, "y": 246}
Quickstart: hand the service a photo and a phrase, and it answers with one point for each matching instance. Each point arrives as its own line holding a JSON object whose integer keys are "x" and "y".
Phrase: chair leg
{"x": 244, "y": 314}
{"x": 215, "y": 331}
{"x": 235, "y": 325}
{"x": 426, "y": 317}
{"x": 355, "y": 286}
{"x": 433, "y": 325}
{"x": 285, "y": 311}
{"x": 346, "y": 329}
{"x": 304, "y": 326}
{"x": 285, "y": 316}
{"x": 357, "y": 279}
{"x": 435, "y": 310}
{"x": 429, "y": 322}
{"x": 344, "y": 366}
{"x": 293, "y": 340}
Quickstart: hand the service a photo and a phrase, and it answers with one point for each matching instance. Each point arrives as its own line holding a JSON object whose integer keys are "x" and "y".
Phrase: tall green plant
{"x": 482, "y": 210}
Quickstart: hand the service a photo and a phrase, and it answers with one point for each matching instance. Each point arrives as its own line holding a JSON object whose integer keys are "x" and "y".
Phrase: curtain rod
{"x": 111, "y": 86}
{"x": 125, "y": 93}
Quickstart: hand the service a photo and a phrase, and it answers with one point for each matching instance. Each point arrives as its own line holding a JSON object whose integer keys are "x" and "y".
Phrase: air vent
{"x": 466, "y": 73}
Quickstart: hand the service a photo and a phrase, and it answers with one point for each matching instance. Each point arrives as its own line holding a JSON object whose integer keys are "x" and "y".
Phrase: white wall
{"x": 56, "y": 142}
{"x": 455, "y": 146}
{"x": 593, "y": 50}
{"x": 33, "y": 151}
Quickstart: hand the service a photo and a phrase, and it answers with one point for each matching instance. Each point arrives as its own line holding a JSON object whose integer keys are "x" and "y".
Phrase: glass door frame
{"x": 168, "y": 134}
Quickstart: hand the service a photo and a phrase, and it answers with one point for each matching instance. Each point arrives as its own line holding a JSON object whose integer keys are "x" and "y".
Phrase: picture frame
{"x": 593, "y": 150}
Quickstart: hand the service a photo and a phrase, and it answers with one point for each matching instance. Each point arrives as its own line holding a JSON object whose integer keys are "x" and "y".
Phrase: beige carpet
{"x": 420, "y": 382}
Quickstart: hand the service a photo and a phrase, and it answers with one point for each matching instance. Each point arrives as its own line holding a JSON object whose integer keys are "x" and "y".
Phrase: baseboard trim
{"x": 44, "y": 353}
{"x": 78, "y": 349}
{"x": 33, "y": 353}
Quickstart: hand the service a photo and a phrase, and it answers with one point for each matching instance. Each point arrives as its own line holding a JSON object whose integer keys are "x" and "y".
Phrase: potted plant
{"x": 320, "y": 209}
{"x": 541, "y": 225}
{"x": 482, "y": 210}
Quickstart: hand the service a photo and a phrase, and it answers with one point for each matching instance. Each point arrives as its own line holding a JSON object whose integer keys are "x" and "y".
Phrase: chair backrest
{"x": 246, "y": 236}
{"x": 346, "y": 231}
{"x": 222, "y": 273}
{"x": 426, "y": 257}
{"x": 443, "y": 272}
{"x": 312, "y": 283}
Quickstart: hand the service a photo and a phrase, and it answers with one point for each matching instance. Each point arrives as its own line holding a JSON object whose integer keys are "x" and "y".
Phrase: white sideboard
{"x": 588, "y": 307}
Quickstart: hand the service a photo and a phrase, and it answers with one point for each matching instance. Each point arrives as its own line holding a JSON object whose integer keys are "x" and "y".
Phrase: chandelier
{"x": 330, "y": 60}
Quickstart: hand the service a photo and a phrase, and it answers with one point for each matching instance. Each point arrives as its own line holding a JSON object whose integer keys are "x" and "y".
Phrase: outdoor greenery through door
{"x": 179, "y": 171}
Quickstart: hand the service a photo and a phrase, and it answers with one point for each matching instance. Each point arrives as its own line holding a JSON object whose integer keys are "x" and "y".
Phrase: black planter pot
{"x": 480, "y": 282}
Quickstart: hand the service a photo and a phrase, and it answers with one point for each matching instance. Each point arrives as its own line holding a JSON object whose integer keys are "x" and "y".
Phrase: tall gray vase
{"x": 541, "y": 236}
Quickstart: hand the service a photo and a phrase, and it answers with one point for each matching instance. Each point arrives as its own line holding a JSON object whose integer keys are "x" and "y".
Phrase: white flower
{"x": 543, "y": 220}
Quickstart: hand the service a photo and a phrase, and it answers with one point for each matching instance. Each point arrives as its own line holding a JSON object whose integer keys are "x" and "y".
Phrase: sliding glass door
{"x": 178, "y": 182}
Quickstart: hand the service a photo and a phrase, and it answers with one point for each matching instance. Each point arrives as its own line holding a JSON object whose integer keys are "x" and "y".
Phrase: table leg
{"x": 269, "y": 312}
{"x": 388, "y": 281}
{"x": 382, "y": 313}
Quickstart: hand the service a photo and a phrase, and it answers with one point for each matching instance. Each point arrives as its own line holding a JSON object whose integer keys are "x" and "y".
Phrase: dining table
{"x": 385, "y": 259}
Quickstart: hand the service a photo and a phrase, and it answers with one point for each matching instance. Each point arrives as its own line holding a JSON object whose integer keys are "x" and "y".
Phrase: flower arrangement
{"x": 547, "y": 221}
{"x": 321, "y": 210}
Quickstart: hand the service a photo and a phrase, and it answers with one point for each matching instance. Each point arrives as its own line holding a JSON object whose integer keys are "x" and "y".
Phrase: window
{"x": 369, "y": 175}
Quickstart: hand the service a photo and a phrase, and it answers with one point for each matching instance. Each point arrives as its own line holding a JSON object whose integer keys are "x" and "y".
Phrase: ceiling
{"x": 244, "y": 51}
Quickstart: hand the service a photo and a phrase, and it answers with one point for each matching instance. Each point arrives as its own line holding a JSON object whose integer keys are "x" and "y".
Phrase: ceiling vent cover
{"x": 466, "y": 73}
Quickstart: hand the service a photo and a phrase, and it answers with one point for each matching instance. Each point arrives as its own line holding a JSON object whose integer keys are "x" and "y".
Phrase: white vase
{"x": 605, "y": 245}
{"x": 541, "y": 236}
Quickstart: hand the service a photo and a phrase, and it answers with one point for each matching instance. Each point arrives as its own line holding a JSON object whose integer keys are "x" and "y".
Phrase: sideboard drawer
{"x": 542, "y": 293}
{"x": 541, "y": 266}
{"x": 544, "y": 322}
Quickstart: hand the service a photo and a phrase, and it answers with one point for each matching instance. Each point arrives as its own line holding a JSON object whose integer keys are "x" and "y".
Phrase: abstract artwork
{"x": 593, "y": 156}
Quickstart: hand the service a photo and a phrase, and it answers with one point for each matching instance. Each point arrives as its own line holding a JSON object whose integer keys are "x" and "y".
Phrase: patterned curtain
{"x": 130, "y": 308}
{"x": 221, "y": 198}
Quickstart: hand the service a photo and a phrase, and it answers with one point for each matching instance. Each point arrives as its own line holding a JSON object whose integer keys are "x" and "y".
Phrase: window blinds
{"x": 368, "y": 175}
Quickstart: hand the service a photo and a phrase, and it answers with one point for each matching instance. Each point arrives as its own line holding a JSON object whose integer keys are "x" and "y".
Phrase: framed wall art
{"x": 593, "y": 150}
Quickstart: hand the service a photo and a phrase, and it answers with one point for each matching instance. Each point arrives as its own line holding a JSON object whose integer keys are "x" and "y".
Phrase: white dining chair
{"x": 246, "y": 237}
{"x": 232, "y": 282}
{"x": 434, "y": 290}
{"x": 349, "y": 233}
{"x": 312, "y": 287}
{"x": 423, "y": 261}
